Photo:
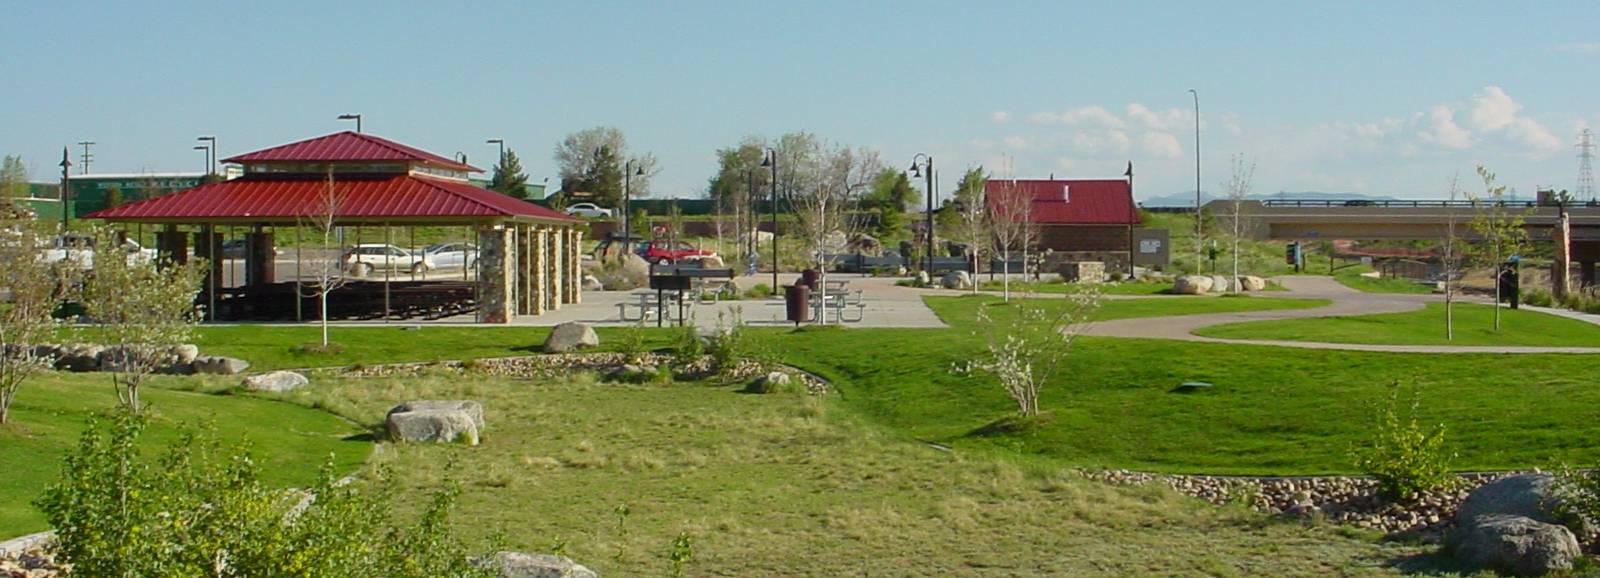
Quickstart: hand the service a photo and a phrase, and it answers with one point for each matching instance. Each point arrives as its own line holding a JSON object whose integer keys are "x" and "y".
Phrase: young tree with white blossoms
{"x": 1026, "y": 342}
{"x": 141, "y": 311}
{"x": 823, "y": 211}
{"x": 327, "y": 275}
{"x": 32, "y": 288}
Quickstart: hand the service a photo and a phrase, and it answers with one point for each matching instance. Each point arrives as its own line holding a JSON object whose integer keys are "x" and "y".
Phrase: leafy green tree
{"x": 508, "y": 177}
{"x": 1501, "y": 231}
{"x": 592, "y": 161}
{"x": 114, "y": 197}
{"x": 13, "y": 178}
{"x": 891, "y": 192}
{"x": 730, "y": 184}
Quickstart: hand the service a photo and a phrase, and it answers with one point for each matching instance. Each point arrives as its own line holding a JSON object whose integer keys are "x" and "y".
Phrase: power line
{"x": 87, "y": 158}
{"x": 1585, "y": 192}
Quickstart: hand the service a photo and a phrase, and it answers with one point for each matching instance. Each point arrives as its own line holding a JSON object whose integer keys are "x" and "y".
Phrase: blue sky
{"x": 1379, "y": 97}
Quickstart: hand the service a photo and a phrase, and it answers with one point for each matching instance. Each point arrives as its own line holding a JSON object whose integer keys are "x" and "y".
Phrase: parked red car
{"x": 662, "y": 252}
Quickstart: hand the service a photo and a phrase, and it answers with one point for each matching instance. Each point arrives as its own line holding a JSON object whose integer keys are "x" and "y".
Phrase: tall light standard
{"x": 746, "y": 221}
{"x": 205, "y": 152}
{"x": 354, "y": 117}
{"x": 1198, "y": 230}
{"x": 771, "y": 161}
{"x": 921, "y": 164}
{"x": 211, "y": 155}
{"x": 628, "y": 172}
{"x": 502, "y": 143}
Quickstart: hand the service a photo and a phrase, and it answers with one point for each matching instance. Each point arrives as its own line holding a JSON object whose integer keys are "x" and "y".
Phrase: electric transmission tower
{"x": 1585, "y": 192}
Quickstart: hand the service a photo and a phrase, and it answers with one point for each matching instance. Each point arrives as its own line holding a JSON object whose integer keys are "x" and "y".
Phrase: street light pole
{"x": 1199, "y": 231}
{"x": 748, "y": 217}
{"x": 205, "y": 154}
{"x": 771, "y": 161}
{"x": 355, "y": 117}
{"x": 926, "y": 164}
{"x": 211, "y": 154}
{"x": 66, "y": 189}
{"x": 502, "y": 143}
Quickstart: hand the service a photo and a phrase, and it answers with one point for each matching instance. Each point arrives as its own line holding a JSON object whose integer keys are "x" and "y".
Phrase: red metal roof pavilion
{"x": 286, "y": 184}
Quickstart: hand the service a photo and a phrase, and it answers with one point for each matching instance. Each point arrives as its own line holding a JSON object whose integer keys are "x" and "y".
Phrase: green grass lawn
{"x": 290, "y": 441}
{"x": 1272, "y": 411}
{"x": 957, "y": 311}
{"x": 1474, "y": 325}
{"x": 273, "y": 346}
{"x": 791, "y": 485}
{"x": 1355, "y": 281}
{"x": 1130, "y": 288}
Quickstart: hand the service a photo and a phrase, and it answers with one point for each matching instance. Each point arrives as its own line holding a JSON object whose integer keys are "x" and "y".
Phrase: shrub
{"x": 631, "y": 344}
{"x": 760, "y": 291}
{"x": 732, "y": 344}
{"x": 1407, "y": 457}
{"x": 688, "y": 348}
{"x": 203, "y": 511}
{"x": 1537, "y": 297}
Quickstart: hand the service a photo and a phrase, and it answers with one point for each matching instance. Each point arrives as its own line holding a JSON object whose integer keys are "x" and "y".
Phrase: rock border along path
{"x": 1345, "y": 302}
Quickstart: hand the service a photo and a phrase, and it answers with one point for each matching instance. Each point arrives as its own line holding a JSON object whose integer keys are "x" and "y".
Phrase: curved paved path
{"x": 1345, "y": 301}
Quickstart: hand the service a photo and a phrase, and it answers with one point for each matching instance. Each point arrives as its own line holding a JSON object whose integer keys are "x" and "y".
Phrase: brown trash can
{"x": 797, "y": 303}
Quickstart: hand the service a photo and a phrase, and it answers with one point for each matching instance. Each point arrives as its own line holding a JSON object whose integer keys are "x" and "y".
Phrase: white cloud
{"x": 1101, "y": 142}
{"x": 1438, "y": 127}
{"x": 1000, "y": 116}
{"x": 1066, "y": 163}
{"x": 1493, "y": 109}
{"x": 1580, "y": 47}
{"x": 1158, "y": 120}
{"x": 1161, "y": 145}
{"x": 1018, "y": 143}
{"x": 1094, "y": 116}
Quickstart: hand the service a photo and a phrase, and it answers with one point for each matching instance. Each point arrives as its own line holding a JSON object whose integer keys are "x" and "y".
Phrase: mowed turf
{"x": 959, "y": 311}
{"x": 1474, "y": 325}
{"x": 289, "y": 441}
{"x": 1272, "y": 410}
{"x": 1381, "y": 284}
{"x": 778, "y": 485}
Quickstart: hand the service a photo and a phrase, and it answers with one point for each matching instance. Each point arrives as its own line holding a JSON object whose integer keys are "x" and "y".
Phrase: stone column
{"x": 575, "y": 264}
{"x": 539, "y": 262}
{"x": 558, "y": 266}
{"x": 173, "y": 246}
{"x": 495, "y": 275}
{"x": 259, "y": 259}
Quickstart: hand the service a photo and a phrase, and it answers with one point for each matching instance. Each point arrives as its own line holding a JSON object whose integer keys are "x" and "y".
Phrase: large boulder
{"x": 571, "y": 336}
{"x": 1252, "y": 283}
{"x": 592, "y": 283}
{"x": 712, "y": 262}
{"x": 520, "y": 565}
{"x": 275, "y": 382}
{"x": 636, "y": 268}
{"x": 1220, "y": 284}
{"x": 922, "y": 279}
{"x": 1192, "y": 285}
{"x": 1534, "y": 496}
{"x": 218, "y": 365}
{"x": 436, "y": 421}
{"x": 956, "y": 280}
{"x": 1517, "y": 545}
{"x": 79, "y": 357}
{"x": 473, "y": 409}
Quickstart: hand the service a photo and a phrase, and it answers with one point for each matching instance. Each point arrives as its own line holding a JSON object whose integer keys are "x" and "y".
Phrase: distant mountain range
{"x": 1186, "y": 199}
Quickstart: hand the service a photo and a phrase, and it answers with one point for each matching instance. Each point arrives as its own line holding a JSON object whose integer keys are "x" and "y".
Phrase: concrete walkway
{"x": 888, "y": 305}
{"x": 1345, "y": 302}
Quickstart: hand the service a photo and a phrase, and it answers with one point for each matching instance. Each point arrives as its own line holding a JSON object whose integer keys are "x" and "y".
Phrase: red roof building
{"x": 1078, "y": 219}
{"x": 1071, "y": 202}
{"x": 525, "y": 256}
